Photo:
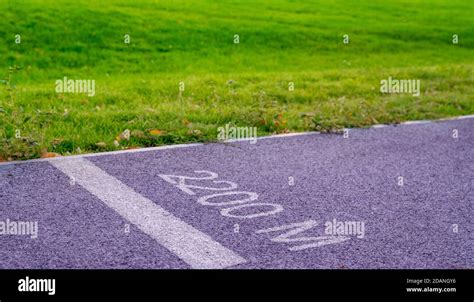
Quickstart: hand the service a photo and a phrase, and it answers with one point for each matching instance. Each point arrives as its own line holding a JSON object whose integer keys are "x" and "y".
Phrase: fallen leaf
{"x": 137, "y": 133}
{"x": 194, "y": 132}
{"x": 125, "y": 135}
{"x": 101, "y": 145}
{"x": 155, "y": 132}
{"x": 49, "y": 155}
{"x": 56, "y": 141}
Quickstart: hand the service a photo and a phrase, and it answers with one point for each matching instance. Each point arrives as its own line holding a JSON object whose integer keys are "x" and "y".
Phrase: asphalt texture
{"x": 410, "y": 186}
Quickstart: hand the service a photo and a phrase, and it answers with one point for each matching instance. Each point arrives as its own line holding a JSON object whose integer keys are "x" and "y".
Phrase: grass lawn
{"x": 336, "y": 85}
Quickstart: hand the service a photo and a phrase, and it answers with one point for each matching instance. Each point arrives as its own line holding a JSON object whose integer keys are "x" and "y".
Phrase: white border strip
{"x": 101, "y": 153}
{"x": 191, "y": 245}
{"x": 376, "y": 126}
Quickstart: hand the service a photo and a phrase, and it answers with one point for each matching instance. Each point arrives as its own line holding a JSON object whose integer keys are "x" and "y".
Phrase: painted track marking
{"x": 189, "y": 244}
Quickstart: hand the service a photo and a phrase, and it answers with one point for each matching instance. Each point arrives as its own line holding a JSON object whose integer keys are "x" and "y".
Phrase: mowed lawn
{"x": 336, "y": 85}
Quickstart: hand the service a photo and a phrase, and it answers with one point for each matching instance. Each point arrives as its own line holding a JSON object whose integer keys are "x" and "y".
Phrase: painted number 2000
{"x": 242, "y": 205}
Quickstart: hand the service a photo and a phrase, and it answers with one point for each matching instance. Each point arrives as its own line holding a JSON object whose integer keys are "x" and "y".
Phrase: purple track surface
{"x": 426, "y": 223}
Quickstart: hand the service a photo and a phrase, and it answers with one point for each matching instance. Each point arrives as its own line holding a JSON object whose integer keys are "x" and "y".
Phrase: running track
{"x": 411, "y": 185}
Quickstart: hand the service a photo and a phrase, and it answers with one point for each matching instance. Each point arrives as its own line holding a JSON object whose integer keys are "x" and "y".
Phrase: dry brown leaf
{"x": 194, "y": 132}
{"x": 125, "y": 135}
{"x": 155, "y": 132}
{"x": 137, "y": 133}
{"x": 49, "y": 155}
{"x": 56, "y": 141}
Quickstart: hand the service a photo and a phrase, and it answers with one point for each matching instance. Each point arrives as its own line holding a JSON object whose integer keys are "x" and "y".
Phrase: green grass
{"x": 336, "y": 85}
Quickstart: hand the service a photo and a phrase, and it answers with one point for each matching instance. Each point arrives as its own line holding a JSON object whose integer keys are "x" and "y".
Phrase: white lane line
{"x": 146, "y": 149}
{"x": 192, "y": 246}
{"x": 421, "y": 122}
